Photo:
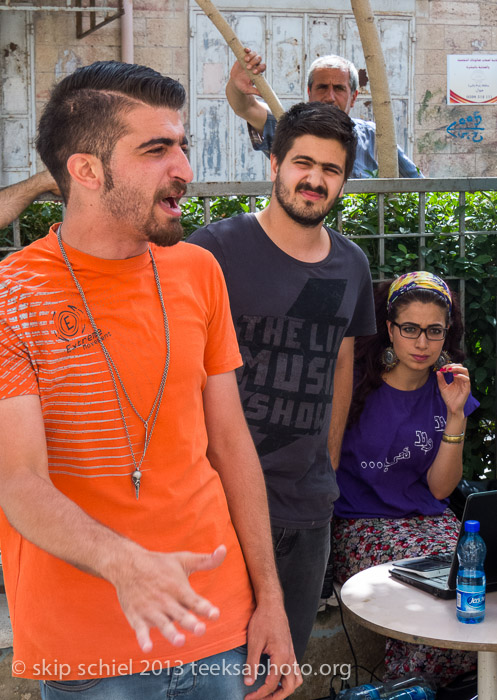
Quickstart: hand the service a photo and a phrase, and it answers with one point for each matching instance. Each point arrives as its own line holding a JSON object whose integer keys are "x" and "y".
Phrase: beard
{"x": 307, "y": 214}
{"x": 130, "y": 206}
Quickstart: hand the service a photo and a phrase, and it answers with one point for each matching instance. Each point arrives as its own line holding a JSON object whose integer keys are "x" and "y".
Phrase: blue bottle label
{"x": 471, "y": 599}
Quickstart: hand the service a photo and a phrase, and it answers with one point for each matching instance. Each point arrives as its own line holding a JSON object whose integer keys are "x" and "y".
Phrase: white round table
{"x": 398, "y": 610}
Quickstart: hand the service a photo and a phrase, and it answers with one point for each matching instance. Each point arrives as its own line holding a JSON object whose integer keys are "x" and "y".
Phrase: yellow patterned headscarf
{"x": 418, "y": 280}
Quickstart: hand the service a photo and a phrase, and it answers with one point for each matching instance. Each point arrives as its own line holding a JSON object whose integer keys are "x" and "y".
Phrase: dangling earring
{"x": 389, "y": 358}
{"x": 443, "y": 359}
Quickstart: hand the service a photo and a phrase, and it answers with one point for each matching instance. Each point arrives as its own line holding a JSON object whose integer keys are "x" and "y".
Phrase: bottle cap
{"x": 472, "y": 526}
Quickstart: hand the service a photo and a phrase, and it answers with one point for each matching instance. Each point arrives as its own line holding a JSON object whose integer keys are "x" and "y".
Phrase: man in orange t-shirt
{"x": 135, "y": 564}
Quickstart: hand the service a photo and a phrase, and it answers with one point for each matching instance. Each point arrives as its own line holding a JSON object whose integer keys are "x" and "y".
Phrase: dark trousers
{"x": 301, "y": 558}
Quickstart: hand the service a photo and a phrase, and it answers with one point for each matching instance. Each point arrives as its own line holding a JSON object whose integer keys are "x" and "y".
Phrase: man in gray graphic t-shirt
{"x": 299, "y": 293}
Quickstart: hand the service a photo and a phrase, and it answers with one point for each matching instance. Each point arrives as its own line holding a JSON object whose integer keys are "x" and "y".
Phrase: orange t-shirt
{"x": 64, "y": 618}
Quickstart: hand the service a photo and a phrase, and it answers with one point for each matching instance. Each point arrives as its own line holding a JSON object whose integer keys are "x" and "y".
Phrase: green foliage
{"x": 34, "y": 223}
{"x": 439, "y": 251}
{"x": 220, "y": 208}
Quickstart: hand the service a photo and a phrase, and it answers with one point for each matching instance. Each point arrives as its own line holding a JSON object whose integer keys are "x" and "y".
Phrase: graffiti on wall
{"x": 467, "y": 128}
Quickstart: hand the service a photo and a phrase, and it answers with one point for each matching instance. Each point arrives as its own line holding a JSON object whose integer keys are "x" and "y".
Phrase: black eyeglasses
{"x": 413, "y": 331}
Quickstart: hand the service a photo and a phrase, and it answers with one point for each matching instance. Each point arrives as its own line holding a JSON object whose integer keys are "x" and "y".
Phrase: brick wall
{"x": 444, "y": 28}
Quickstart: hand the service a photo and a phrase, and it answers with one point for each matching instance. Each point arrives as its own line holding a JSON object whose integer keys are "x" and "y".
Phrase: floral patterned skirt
{"x": 364, "y": 542}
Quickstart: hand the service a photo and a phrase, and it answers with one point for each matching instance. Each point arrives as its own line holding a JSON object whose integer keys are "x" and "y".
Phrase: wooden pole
{"x": 233, "y": 42}
{"x": 386, "y": 141}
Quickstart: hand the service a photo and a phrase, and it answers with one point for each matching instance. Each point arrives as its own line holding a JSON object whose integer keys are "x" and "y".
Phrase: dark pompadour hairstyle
{"x": 316, "y": 119}
{"x": 84, "y": 112}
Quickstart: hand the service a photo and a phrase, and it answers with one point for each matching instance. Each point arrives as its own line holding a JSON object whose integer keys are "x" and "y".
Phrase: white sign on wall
{"x": 472, "y": 79}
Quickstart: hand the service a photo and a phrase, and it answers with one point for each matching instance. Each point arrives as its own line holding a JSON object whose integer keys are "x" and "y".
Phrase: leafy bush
{"x": 220, "y": 208}
{"x": 34, "y": 223}
{"x": 438, "y": 252}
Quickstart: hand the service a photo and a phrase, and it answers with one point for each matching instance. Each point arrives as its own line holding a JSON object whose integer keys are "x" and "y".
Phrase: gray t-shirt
{"x": 290, "y": 317}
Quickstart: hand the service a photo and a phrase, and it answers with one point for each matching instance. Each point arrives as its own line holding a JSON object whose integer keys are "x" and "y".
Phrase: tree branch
{"x": 388, "y": 160}
{"x": 233, "y": 42}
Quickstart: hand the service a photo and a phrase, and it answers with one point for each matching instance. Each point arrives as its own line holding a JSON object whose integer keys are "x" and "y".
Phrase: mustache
{"x": 176, "y": 190}
{"x": 309, "y": 188}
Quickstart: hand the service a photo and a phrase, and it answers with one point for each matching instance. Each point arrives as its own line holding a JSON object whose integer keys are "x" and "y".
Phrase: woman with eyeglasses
{"x": 402, "y": 450}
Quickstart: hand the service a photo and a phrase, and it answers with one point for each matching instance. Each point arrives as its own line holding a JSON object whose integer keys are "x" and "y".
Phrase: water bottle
{"x": 417, "y": 692}
{"x": 471, "y": 552}
{"x": 390, "y": 689}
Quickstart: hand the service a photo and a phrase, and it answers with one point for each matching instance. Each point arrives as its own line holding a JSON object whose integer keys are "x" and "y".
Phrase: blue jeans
{"x": 301, "y": 558}
{"x": 213, "y": 678}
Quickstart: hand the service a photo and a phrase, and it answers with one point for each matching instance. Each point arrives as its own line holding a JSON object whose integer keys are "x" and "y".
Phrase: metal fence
{"x": 382, "y": 188}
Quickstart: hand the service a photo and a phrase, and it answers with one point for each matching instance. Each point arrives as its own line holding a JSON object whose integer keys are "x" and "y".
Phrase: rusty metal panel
{"x": 16, "y": 117}
{"x": 14, "y": 65}
{"x": 211, "y": 65}
{"x": 286, "y": 54}
{"x": 364, "y": 110}
{"x": 323, "y": 37}
{"x": 246, "y": 164}
{"x": 212, "y": 139}
{"x": 401, "y": 118}
{"x": 394, "y": 36}
{"x": 209, "y": 113}
{"x": 395, "y": 39}
{"x": 16, "y": 136}
{"x": 250, "y": 29}
{"x": 221, "y": 144}
{"x": 315, "y": 6}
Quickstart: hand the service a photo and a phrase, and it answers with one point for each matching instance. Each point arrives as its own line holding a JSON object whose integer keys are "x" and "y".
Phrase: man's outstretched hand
{"x": 154, "y": 591}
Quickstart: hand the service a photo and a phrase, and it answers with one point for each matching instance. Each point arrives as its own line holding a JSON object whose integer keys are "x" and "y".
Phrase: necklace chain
{"x": 113, "y": 371}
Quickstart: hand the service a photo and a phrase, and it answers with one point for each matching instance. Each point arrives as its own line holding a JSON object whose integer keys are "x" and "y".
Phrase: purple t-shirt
{"x": 387, "y": 453}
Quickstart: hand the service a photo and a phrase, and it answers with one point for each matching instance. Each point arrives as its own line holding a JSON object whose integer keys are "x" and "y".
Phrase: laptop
{"x": 437, "y": 574}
